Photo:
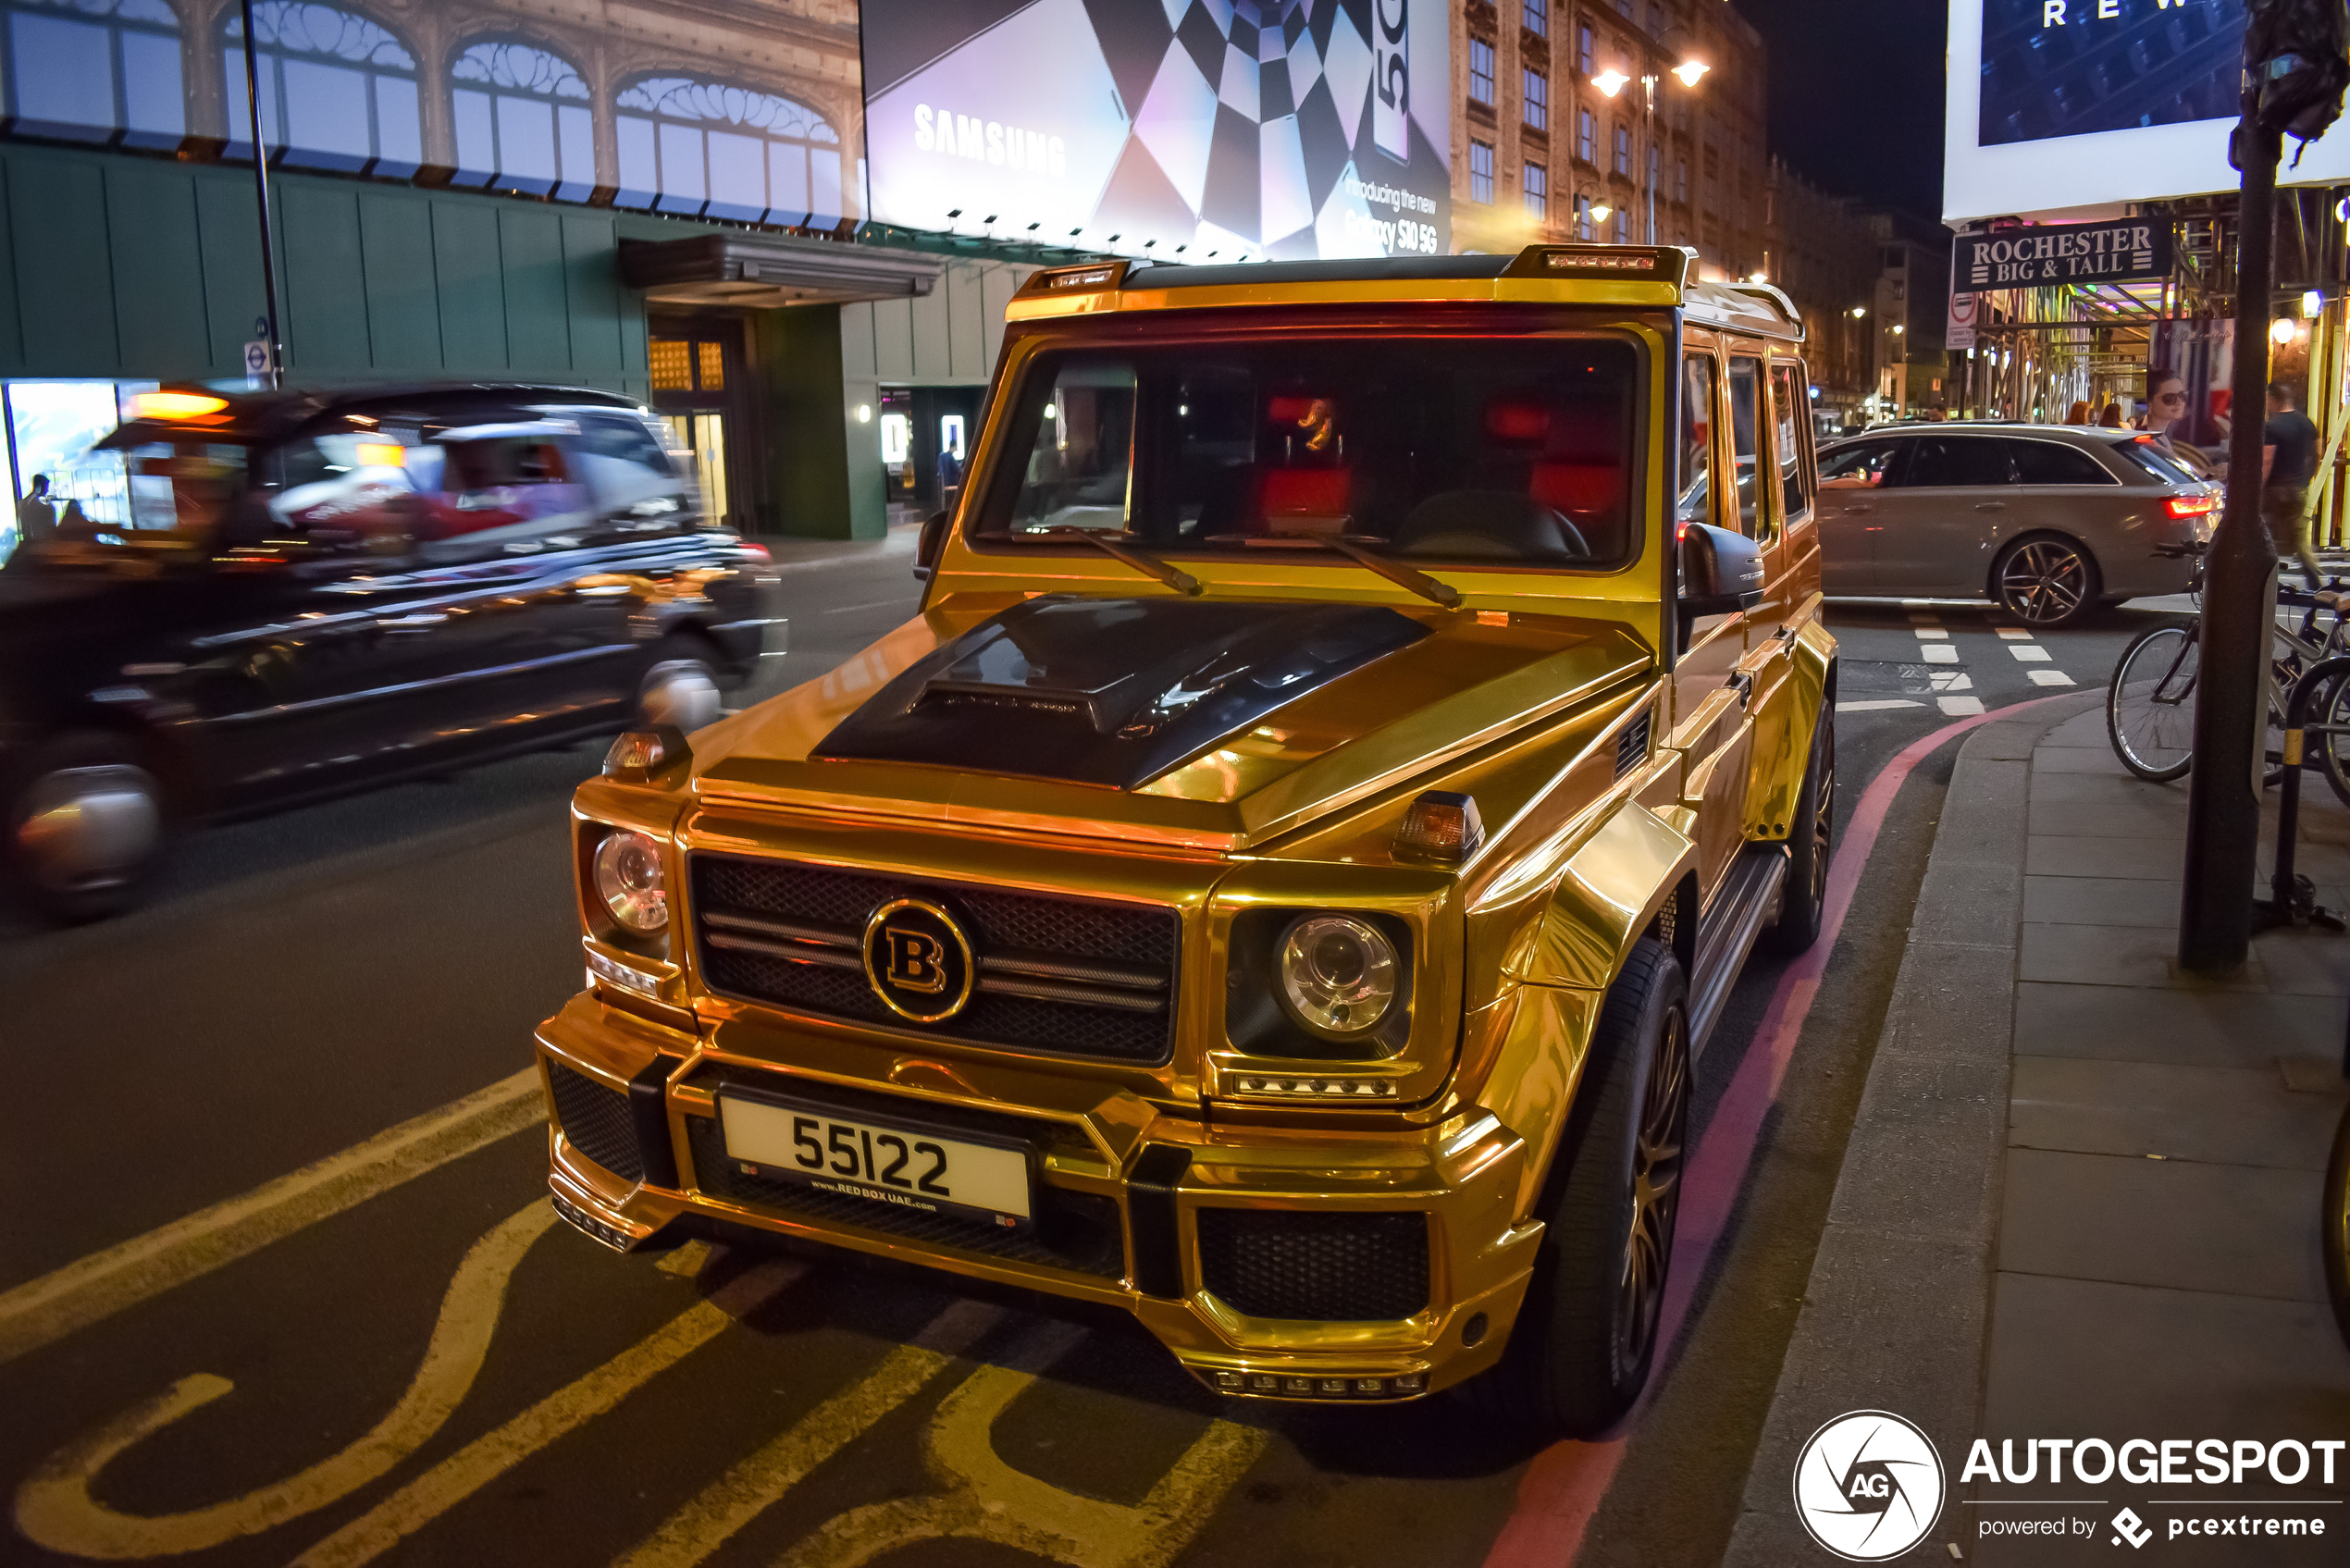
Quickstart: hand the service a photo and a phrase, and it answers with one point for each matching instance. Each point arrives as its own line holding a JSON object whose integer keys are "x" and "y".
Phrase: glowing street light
{"x": 2313, "y": 303}
{"x": 2282, "y": 330}
{"x": 1859, "y": 312}
{"x": 1689, "y": 70}
{"x": 1611, "y": 81}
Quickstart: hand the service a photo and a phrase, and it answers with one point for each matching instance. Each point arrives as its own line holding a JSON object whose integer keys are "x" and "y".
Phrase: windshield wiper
{"x": 1394, "y": 572}
{"x": 1114, "y": 546}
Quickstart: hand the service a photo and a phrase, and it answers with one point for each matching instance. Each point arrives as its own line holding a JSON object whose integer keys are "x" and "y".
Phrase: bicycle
{"x": 2149, "y": 707}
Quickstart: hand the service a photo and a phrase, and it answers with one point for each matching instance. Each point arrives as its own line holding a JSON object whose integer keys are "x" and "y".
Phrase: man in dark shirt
{"x": 2288, "y": 462}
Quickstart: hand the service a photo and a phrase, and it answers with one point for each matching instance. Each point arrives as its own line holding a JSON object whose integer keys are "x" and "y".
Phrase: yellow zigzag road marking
{"x": 46, "y": 1309}
{"x": 751, "y": 1486}
{"x": 487, "y": 1456}
{"x": 55, "y": 1508}
{"x": 985, "y": 1499}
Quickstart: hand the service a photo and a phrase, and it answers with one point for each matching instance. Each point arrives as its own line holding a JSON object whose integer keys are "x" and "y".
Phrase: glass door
{"x": 696, "y": 368}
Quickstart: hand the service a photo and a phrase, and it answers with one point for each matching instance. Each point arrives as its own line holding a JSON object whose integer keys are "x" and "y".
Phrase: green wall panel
{"x": 538, "y": 311}
{"x": 325, "y": 279}
{"x": 228, "y": 238}
{"x": 473, "y": 287}
{"x": 12, "y": 331}
{"x": 59, "y": 238}
{"x": 150, "y": 210}
{"x": 404, "y": 306}
{"x": 814, "y": 487}
{"x": 591, "y": 272}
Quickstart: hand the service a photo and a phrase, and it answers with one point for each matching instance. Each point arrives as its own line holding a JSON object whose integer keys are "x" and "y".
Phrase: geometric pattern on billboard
{"x": 1234, "y": 128}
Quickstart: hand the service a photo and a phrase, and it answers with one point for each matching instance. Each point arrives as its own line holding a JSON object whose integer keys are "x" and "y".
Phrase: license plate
{"x": 899, "y": 1163}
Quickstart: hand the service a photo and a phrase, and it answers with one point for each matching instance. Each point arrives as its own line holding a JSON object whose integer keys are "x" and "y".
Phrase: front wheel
{"x": 2045, "y": 582}
{"x": 680, "y": 686}
{"x": 1587, "y": 1333}
{"x": 84, "y": 827}
{"x": 1803, "y": 896}
{"x": 2149, "y": 709}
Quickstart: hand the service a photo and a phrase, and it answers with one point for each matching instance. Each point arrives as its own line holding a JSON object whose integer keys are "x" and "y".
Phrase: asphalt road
{"x": 397, "y": 1354}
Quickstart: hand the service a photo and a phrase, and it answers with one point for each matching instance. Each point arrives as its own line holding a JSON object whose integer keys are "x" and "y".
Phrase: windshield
{"x": 1470, "y": 450}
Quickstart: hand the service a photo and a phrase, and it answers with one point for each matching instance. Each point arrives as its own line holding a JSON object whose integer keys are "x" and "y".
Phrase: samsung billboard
{"x": 2063, "y": 104}
{"x": 1191, "y": 129}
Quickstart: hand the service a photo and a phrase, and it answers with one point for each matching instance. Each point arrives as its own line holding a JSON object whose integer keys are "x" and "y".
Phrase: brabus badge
{"x": 917, "y": 960}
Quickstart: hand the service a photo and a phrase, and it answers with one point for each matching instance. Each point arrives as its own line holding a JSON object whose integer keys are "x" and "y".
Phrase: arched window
{"x": 88, "y": 68}
{"x": 337, "y": 91}
{"x": 522, "y": 121}
{"x": 702, "y": 148}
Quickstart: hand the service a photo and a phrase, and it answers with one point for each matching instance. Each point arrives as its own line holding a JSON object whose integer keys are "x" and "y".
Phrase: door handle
{"x": 419, "y": 623}
{"x": 1990, "y": 506}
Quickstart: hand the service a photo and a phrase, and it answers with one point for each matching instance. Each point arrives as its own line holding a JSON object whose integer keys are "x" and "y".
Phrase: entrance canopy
{"x": 769, "y": 269}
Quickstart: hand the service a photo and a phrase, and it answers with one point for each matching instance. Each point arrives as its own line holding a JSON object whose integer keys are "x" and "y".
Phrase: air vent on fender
{"x": 1632, "y": 745}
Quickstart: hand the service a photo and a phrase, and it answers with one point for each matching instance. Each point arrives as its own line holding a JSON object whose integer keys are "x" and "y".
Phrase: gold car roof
{"x": 1651, "y": 275}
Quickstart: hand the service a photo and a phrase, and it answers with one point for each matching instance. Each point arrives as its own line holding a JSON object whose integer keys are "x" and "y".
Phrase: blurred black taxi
{"x": 269, "y": 596}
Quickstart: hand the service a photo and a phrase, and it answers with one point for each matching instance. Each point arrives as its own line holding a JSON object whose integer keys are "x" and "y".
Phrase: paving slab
{"x": 2183, "y": 1224}
{"x": 2103, "y": 901}
{"x": 2068, "y": 855}
{"x": 2119, "y": 956}
{"x": 2163, "y": 821}
{"x": 2117, "y": 788}
{"x": 2096, "y": 759}
{"x": 2133, "y": 1109}
{"x": 2215, "y": 1029}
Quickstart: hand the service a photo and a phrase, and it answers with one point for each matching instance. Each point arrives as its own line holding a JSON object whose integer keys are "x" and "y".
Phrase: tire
{"x": 1586, "y": 1334}
{"x": 1811, "y": 839}
{"x": 85, "y": 827}
{"x": 2149, "y": 709}
{"x": 680, "y": 683}
{"x": 2337, "y": 1228}
{"x": 2332, "y": 710}
{"x": 2046, "y": 580}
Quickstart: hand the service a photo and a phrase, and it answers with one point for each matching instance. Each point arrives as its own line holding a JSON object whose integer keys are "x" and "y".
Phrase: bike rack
{"x": 2293, "y": 900}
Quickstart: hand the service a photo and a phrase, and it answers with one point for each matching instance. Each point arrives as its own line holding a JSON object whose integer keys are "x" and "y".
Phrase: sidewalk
{"x": 2081, "y": 1197}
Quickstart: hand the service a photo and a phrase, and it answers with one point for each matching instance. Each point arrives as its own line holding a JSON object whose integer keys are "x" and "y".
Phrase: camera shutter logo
{"x": 917, "y": 960}
{"x": 1869, "y": 1486}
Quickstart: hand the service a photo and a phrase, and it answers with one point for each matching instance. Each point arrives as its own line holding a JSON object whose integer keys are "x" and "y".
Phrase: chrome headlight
{"x": 1337, "y": 974}
{"x": 630, "y": 881}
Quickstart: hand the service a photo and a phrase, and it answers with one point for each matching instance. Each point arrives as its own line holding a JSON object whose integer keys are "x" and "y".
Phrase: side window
{"x": 1081, "y": 467}
{"x": 1700, "y": 377}
{"x": 350, "y": 488}
{"x": 2053, "y": 463}
{"x": 625, "y": 470}
{"x": 1957, "y": 462}
{"x": 492, "y": 484}
{"x": 1865, "y": 465}
{"x": 1790, "y": 405}
{"x": 1746, "y": 430}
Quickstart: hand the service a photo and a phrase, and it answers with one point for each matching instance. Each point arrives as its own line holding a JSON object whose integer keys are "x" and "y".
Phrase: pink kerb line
{"x": 1563, "y": 1485}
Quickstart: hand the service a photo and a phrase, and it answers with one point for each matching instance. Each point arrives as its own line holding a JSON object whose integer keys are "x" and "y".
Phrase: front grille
{"x": 1076, "y": 1231}
{"x": 1318, "y": 1266}
{"x": 1071, "y": 977}
{"x": 595, "y": 1121}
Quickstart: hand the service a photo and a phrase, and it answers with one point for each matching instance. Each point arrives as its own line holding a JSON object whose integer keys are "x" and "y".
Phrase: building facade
{"x": 1821, "y": 249}
{"x": 1543, "y": 149}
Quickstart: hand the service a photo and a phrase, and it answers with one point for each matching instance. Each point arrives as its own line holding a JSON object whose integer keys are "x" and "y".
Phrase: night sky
{"x": 1856, "y": 95}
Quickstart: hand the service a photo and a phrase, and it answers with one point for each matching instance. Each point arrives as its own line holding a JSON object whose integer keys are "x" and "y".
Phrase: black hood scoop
{"x": 1110, "y": 691}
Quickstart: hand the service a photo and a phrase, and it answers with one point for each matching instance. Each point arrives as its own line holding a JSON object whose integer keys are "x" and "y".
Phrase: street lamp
{"x": 1593, "y": 204}
{"x": 1611, "y": 81}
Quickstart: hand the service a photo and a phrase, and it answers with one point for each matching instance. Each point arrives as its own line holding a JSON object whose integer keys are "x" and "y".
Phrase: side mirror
{"x": 933, "y": 540}
{"x": 1720, "y": 572}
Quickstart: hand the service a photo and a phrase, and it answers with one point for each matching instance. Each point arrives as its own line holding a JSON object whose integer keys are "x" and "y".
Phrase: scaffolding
{"x": 2039, "y": 352}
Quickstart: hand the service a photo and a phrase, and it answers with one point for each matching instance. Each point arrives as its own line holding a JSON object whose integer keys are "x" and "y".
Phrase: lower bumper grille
{"x": 1077, "y": 1231}
{"x": 596, "y": 1122}
{"x": 1316, "y": 1265}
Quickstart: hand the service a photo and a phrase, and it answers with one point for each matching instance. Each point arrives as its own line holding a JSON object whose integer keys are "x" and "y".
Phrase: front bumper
{"x": 1120, "y": 1188}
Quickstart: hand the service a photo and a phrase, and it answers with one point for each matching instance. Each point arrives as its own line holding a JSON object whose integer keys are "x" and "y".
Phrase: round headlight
{"x": 629, "y": 879}
{"x": 1338, "y": 974}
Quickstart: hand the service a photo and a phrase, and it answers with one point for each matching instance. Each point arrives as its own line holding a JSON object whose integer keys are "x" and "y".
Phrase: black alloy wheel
{"x": 1588, "y": 1332}
{"x": 2045, "y": 581}
{"x": 85, "y": 827}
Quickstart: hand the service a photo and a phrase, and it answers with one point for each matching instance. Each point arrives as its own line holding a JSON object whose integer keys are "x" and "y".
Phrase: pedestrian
{"x": 2112, "y": 420}
{"x": 2079, "y": 414}
{"x": 950, "y": 474}
{"x": 2288, "y": 462}
{"x": 37, "y": 514}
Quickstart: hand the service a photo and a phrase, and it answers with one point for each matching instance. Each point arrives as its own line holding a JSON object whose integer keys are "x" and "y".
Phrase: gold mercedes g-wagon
{"x": 1361, "y": 716}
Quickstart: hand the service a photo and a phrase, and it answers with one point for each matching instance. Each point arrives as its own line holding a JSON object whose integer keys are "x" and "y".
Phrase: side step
{"x": 1749, "y": 896}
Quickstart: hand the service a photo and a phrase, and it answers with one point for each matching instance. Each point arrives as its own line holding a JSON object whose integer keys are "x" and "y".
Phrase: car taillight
{"x": 2191, "y": 506}
{"x": 753, "y": 551}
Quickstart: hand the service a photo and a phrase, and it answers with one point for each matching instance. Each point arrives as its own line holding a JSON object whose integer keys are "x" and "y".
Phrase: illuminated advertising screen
{"x": 2063, "y": 104}
{"x": 1198, "y": 130}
